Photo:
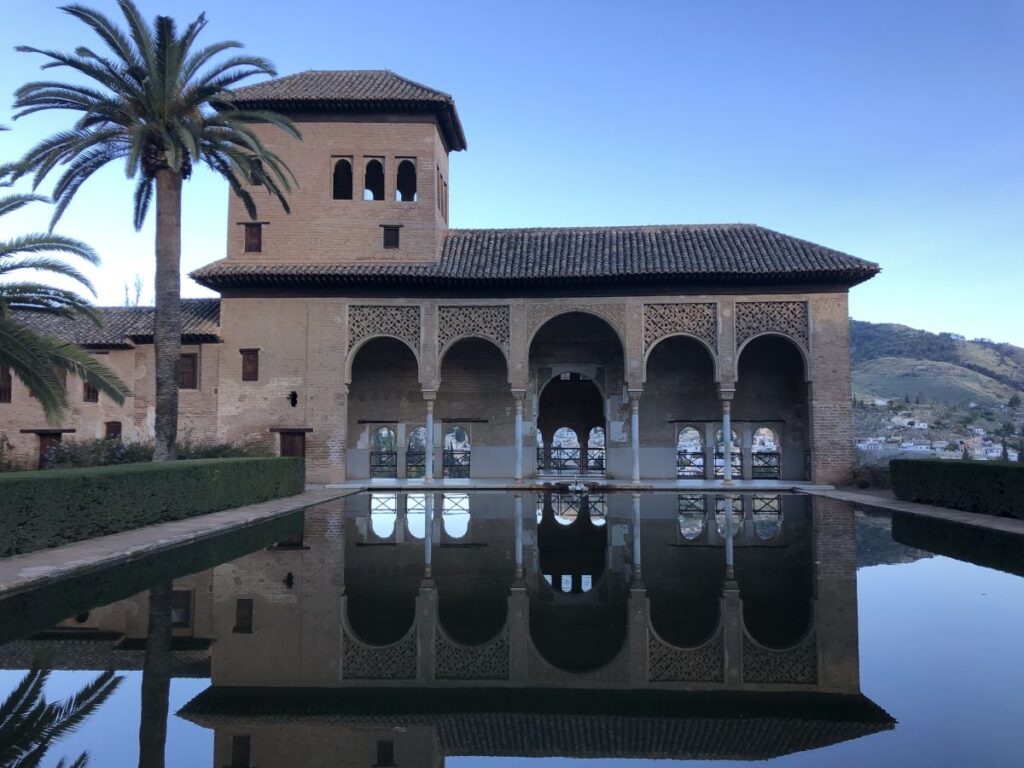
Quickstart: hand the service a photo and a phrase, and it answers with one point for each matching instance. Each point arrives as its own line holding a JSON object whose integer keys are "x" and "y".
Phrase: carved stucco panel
{"x": 786, "y": 317}
{"x": 699, "y": 320}
{"x": 490, "y": 321}
{"x": 368, "y": 320}
{"x": 794, "y": 665}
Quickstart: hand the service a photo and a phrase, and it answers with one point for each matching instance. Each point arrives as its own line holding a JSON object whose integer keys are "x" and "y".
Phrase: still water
{"x": 494, "y": 629}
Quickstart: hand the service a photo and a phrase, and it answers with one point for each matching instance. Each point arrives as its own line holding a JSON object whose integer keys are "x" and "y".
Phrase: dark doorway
{"x": 47, "y": 440}
{"x": 570, "y": 405}
{"x": 293, "y": 444}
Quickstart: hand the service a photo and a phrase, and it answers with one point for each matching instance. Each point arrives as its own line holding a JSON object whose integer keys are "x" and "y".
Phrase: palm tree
{"x": 28, "y": 725}
{"x": 32, "y": 357}
{"x": 160, "y": 105}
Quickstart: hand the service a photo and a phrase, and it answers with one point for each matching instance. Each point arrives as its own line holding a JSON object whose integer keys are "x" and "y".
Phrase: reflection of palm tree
{"x": 28, "y": 725}
{"x": 156, "y": 679}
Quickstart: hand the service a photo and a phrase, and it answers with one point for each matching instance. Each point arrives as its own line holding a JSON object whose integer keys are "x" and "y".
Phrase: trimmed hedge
{"x": 49, "y": 508}
{"x": 988, "y": 487}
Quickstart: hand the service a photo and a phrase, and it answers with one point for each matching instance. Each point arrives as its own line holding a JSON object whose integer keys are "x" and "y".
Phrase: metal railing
{"x": 383, "y": 464}
{"x": 690, "y": 464}
{"x": 567, "y": 461}
{"x": 737, "y": 465}
{"x": 415, "y": 464}
{"x": 766, "y": 465}
{"x": 456, "y": 463}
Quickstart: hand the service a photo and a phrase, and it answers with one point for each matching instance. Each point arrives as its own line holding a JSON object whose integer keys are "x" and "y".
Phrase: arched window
{"x": 566, "y": 507}
{"x": 383, "y": 453}
{"x": 597, "y": 505}
{"x": 373, "y": 184}
{"x": 767, "y": 517}
{"x": 731, "y": 524}
{"x": 737, "y": 462}
{"x": 689, "y": 453}
{"x": 565, "y": 451}
{"x": 767, "y": 455}
{"x": 343, "y": 180}
{"x": 383, "y": 513}
{"x": 416, "y": 453}
{"x": 691, "y": 515}
{"x": 405, "y": 190}
{"x": 416, "y": 514}
{"x": 456, "y": 452}
{"x": 595, "y": 450}
{"x": 455, "y": 514}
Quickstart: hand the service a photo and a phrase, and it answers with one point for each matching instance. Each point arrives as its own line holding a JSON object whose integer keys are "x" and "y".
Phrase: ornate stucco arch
{"x": 539, "y": 315}
{"x": 366, "y": 322}
{"x": 804, "y": 354}
{"x": 787, "y": 319}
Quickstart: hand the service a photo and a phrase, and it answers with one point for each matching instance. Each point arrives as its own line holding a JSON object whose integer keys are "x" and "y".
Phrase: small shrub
{"x": 988, "y": 487}
{"x": 53, "y": 507}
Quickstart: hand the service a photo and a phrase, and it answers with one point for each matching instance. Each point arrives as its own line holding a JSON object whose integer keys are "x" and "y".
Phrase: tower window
{"x": 343, "y": 179}
{"x": 243, "y": 615}
{"x": 5, "y": 384}
{"x": 250, "y": 365}
{"x": 405, "y": 191}
{"x": 385, "y": 754}
{"x": 373, "y": 185}
{"x": 188, "y": 371}
{"x": 391, "y": 236}
{"x": 89, "y": 393}
{"x": 253, "y": 237}
{"x": 241, "y": 746}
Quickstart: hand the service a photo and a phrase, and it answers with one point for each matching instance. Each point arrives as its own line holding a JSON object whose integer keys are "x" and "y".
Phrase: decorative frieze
{"x": 698, "y": 320}
{"x": 455, "y": 661}
{"x": 668, "y": 663}
{"x": 489, "y": 321}
{"x": 798, "y": 664}
{"x": 785, "y": 317}
{"x": 368, "y": 320}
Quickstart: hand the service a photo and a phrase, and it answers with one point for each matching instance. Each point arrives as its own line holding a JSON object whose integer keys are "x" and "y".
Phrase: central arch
{"x": 576, "y": 369}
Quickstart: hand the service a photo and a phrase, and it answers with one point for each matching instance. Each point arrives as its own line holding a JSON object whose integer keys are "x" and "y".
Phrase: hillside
{"x": 892, "y": 361}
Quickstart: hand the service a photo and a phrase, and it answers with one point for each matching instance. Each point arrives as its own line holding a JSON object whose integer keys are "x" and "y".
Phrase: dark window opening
{"x": 385, "y": 753}
{"x": 181, "y": 608}
{"x": 445, "y": 209}
{"x": 437, "y": 190}
{"x": 406, "y": 189}
{"x": 250, "y": 365}
{"x": 89, "y": 393}
{"x": 343, "y": 180}
{"x": 391, "y": 236}
{"x": 240, "y": 749}
{"x": 243, "y": 615}
{"x": 373, "y": 185}
{"x": 5, "y": 384}
{"x": 112, "y": 430}
{"x": 253, "y": 238}
{"x": 188, "y": 371}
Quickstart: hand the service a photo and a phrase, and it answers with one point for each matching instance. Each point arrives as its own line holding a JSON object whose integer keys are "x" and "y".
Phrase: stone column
{"x": 732, "y": 632}
{"x": 747, "y": 451}
{"x": 428, "y": 536}
{"x": 639, "y": 662}
{"x": 730, "y": 530}
{"x": 634, "y": 428}
{"x": 428, "y": 469}
{"x": 727, "y": 436}
{"x": 519, "y": 396}
{"x": 426, "y": 643}
{"x": 637, "y": 574}
{"x": 519, "y": 539}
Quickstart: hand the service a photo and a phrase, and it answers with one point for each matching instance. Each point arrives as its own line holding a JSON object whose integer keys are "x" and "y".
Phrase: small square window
{"x": 253, "y": 238}
{"x": 243, "y": 615}
{"x": 188, "y": 371}
{"x": 391, "y": 236}
{"x": 89, "y": 393}
{"x": 250, "y": 364}
{"x": 112, "y": 430}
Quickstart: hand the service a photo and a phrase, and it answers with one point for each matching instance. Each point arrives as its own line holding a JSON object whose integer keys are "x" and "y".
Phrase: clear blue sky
{"x": 890, "y": 130}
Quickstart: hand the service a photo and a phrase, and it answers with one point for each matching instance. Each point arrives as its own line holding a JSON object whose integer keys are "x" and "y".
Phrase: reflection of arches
{"x": 383, "y": 514}
{"x": 692, "y": 515}
{"x": 767, "y": 517}
{"x": 729, "y": 516}
{"x": 416, "y": 514}
{"x": 716, "y": 373}
{"x": 455, "y": 514}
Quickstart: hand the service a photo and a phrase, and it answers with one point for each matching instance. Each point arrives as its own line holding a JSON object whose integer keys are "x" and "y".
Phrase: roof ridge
{"x": 420, "y": 85}
{"x": 609, "y": 227}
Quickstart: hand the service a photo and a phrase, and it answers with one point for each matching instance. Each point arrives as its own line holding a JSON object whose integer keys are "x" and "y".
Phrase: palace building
{"x": 362, "y": 332}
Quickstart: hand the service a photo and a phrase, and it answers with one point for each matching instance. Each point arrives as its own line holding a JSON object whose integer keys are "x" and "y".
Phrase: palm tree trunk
{"x": 167, "y": 323}
{"x": 156, "y": 680}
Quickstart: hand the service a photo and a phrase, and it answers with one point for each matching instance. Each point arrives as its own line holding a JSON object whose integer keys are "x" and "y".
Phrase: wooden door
{"x": 46, "y": 441}
{"x": 293, "y": 444}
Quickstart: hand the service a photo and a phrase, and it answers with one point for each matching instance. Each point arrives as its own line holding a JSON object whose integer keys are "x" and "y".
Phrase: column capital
{"x": 518, "y": 394}
{"x": 726, "y": 394}
{"x": 430, "y": 395}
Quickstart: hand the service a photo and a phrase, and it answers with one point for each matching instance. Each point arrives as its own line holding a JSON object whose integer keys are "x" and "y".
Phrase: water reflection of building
{"x": 539, "y": 624}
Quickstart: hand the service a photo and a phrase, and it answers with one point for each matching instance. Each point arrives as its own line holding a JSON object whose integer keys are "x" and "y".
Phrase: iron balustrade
{"x": 595, "y": 460}
{"x": 567, "y": 461}
{"x": 456, "y": 463}
{"x": 737, "y": 465}
{"x": 383, "y": 464}
{"x": 690, "y": 464}
{"x": 415, "y": 464}
{"x": 766, "y": 465}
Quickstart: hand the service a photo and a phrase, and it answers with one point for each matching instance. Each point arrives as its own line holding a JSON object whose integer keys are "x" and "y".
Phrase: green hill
{"x": 891, "y": 361}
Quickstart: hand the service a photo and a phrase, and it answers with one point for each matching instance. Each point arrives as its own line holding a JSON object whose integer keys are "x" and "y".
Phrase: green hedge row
{"x": 988, "y": 487}
{"x": 49, "y": 508}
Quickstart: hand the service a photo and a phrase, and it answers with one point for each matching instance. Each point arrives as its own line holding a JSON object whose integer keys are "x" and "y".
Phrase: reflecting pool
{"x": 393, "y": 629}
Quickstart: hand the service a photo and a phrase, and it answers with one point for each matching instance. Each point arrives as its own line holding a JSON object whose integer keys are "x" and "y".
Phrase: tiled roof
{"x": 371, "y": 90}
{"x": 652, "y": 255}
{"x": 567, "y": 723}
{"x": 200, "y": 321}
